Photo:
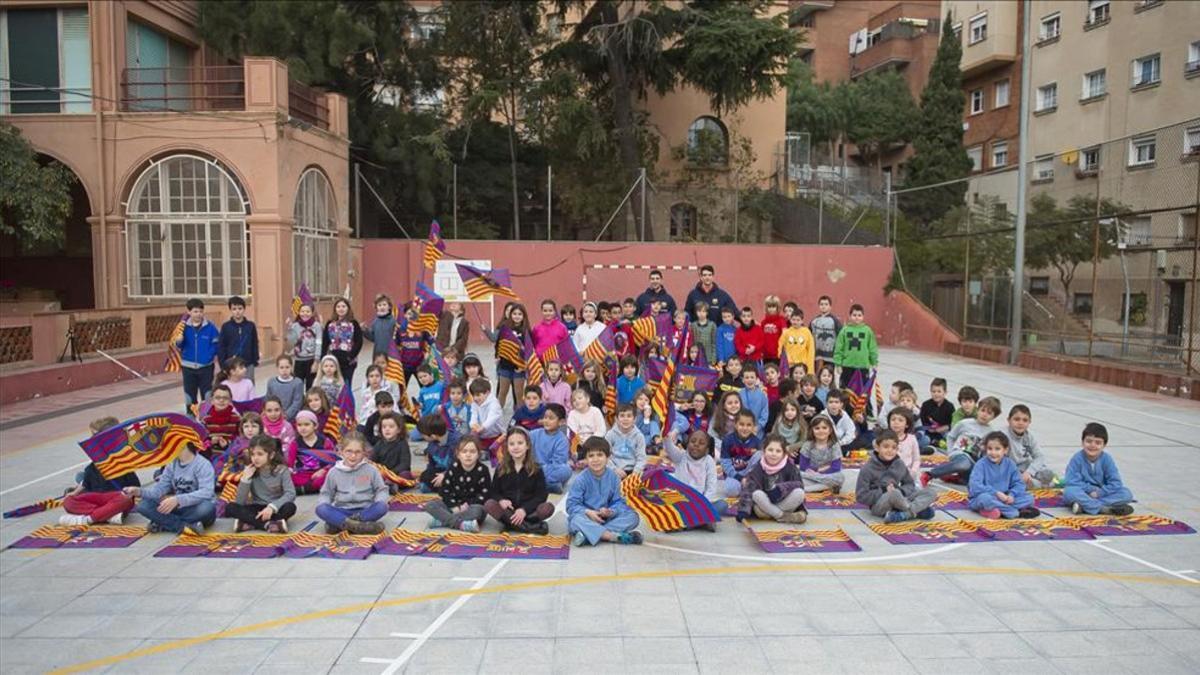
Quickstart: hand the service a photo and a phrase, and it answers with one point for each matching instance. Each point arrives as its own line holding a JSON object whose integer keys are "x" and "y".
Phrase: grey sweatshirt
{"x": 967, "y": 436}
{"x": 353, "y": 488}
{"x": 191, "y": 483}
{"x": 1025, "y": 452}
{"x": 268, "y": 487}
{"x": 701, "y": 473}
{"x": 290, "y": 393}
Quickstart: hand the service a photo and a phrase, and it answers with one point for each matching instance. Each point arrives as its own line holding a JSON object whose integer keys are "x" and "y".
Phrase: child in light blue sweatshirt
{"x": 996, "y": 488}
{"x": 1093, "y": 484}
{"x": 596, "y": 511}
{"x": 627, "y": 444}
{"x": 726, "y": 333}
{"x": 629, "y": 384}
{"x": 182, "y": 500}
{"x": 552, "y": 448}
{"x": 457, "y": 409}
{"x": 754, "y": 399}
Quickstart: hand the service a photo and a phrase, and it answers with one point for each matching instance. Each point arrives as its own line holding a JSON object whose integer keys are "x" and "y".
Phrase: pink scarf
{"x": 772, "y": 470}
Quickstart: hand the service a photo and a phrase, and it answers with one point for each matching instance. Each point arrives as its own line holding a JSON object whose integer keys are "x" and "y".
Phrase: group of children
{"x": 769, "y": 433}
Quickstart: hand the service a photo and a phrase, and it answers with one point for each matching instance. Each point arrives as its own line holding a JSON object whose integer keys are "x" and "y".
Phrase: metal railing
{"x": 307, "y": 105}
{"x": 186, "y": 88}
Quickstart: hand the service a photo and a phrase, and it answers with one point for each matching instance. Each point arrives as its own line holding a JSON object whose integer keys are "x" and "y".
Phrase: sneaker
{"x": 273, "y": 527}
{"x": 1028, "y": 512}
{"x": 436, "y": 523}
{"x": 195, "y": 530}
{"x": 634, "y": 537}
{"x": 896, "y": 517}
{"x": 153, "y": 527}
{"x": 356, "y": 526}
{"x": 117, "y": 519}
{"x": 330, "y": 528}
{"x": 469, "y": 525}
{"x": 925, "y": 478}
{"x": 1121, "y": 510}
{"x": 239, "y": 526}
{"x": 1057, "y": 483}
{"x": 794, "y": 517}
{"x": 579, "y": 539}
{"x": 282, "y": 525}
{"x": 1076, "y": 508}
{"x": 925, "y": 513}
{"x": 990, "y": 514}
{"x": 73, "y": 520}
{"x": 928, "y": 450}
{"x": 540, "y": 528}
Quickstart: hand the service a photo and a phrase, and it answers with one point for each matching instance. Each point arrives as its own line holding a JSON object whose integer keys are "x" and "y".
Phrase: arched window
{"x": 314, "y": 237}
{"x": 684, "y": 224}
{"x": 186, "y": 231}
{"x": 708, "y": 141}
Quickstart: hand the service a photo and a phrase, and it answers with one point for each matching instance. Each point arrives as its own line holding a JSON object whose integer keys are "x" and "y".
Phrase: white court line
{"x": 420, "y": 639}
{"x": 1099, "y": 543}
{"x": 38, "y": 480}
{"x": 814, "y": 561}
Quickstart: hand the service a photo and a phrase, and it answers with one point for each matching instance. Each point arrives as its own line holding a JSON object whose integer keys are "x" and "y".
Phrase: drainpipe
{"x": 102, "y": 299}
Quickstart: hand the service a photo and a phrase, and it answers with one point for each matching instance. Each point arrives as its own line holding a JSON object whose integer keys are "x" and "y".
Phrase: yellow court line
{"x": 600, "y": 578}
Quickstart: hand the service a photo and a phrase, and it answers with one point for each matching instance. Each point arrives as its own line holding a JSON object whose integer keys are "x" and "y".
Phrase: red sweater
{"x": 748, "y": 341}
{"x": 221, "y": 424}
{"x": 772, "y": 327}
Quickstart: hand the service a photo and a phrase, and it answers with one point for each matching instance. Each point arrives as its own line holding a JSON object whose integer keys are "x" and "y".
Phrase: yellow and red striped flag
{"x": 174, "y": 358}
{"x": 481, "y": 285}
{"x": 142, "y": 443}
{"x": 435, "y": 246}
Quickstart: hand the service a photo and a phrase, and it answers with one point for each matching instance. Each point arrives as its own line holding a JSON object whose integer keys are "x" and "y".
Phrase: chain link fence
{"x": 1111, "y": 252}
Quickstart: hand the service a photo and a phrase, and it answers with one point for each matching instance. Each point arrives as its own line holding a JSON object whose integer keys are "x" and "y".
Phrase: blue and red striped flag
{"x": 302, "y": 297}
{"x": 665, "y": 502}
{"x": 535, "y": 372}
{"x": 443, "y": 369}
{"x": 602, "y": 346}
{"x": 481, "y": 285}
{"x": 435, "y": 246}
{"x": 143, "y": 443}
{"x": 649, "y": 329}
{"x": 565, "y": 353}
{"x": 510, "y": 347}
{"x": 174, "y": 359}
{"x": 341, "y": 415}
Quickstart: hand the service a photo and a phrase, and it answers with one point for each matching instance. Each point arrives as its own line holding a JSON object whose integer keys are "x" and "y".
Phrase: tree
{"x": 822, "y": 110}
{"x": 35, "y": 198}
{"x": 1064, "y": 238}
{"x": 938, "y": 142}
{"x": 884, "y": 115}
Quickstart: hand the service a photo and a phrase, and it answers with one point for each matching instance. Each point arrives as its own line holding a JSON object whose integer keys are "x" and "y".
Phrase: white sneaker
{"x": 72, "y": 520}
{"x": 117, "y": 519}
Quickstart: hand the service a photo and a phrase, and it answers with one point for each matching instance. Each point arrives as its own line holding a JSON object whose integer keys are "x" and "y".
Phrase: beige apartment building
{"x": 1116, "y": 113}
{"x": 197, "y": 176}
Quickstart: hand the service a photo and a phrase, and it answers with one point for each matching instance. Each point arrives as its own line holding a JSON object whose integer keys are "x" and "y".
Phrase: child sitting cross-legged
{"x": 887, "y": 488}
{"x": 182, "y": 500}
{"x": 529, "y": 415}
{"x": 96, "y": 499}
{"x": 739, "y": 451}
{"x": 551, "y": 448}
{"x": 1024, "y": 450}
{"x": 627, "y": 443}
{"x": 310, "y": 454}
{"x": 466, "y": 485}
{"x": 519, "y": 496}
{"x": 596, "y": 511}
{"x": 354, "y": 497}
{"x": 266, "y": 497}
{"x": 773, "y": 488}
{"x": 820, "y": 459}
{"x": 1093, "y": 484}
{"x": 996, "y": 488}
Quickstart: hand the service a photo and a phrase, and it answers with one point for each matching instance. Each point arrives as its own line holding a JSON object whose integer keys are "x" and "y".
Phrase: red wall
{"x": 749, "y": 272}
{"x": 908, "y": 323}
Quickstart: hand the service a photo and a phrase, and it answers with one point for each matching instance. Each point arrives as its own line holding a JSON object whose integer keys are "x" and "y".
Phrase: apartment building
{"x": 196, "y": 176}
{"x": 1116, "y": 114}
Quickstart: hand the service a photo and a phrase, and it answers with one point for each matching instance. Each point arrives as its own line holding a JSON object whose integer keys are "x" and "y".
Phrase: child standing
{"x": 748, "y": 341}
{"x": 585, "y": 420}
{"x": 726, "y": 336}
{"x": 96, "y": 499}
{"x": 681, "y": 339}
{"x": 304, "y": 335}
{"x": 739, "y": 451}
{"x": 937, "y": 413}
{"x": 234, "y": 377}
{"x": 965, "y": 443}
{"x": 239, "y": 337}
{"x": 343, "y": 339}
{"x": 590, "y": 329}
{"x": 197, "y": 350}
{"x": 550, "y": 330}
{"x": 773, "y": 325}
{"x": 382, "y": 327}
{"x": 704, "y": 333}
{"x": 626, "y": 443}
{"x": 392, "y": 449}
{"x": 554, "y": 388}
{"x": 508, "y": 374}
{"x": 825, "y": 328}
{"x": 1025, "y": 451}
{"x": 773, "y": 488}
{"x": 755, "y": 400}
{"x": 466, "y": 485}
{"x": 856, "y": 349}
{"x": 266, "y": 496}
{"x": 796, "y": 343}
{"x": 696, "y": 467}
{"x": 552, "y": 449}
{"x": 519, "y": 498}
{"x": 887, "y": 488}
{"x": 182, "y": 500}
{"x": 629, "y": 384}
{"x": 1093, "y": 484}
{"x": 996, "y": 489}
{"x": 354, "y": 497}
{"x": 310, "y": 455}
{"x": 596, "y": 511}
{"x": 288, "y": 389}
{"x": 820, "y": 460}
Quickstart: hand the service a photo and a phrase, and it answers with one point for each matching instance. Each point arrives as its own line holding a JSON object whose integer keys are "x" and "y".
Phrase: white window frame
{"x": 976, "y": 101}
{"x": 1054, "y": 20}
{"x": 315, "y": 234}
{"x": 192, "y": 244}
{"x": 1084, "y": 165}
{"x": 999, "y": 154}
{"x": 1194, "y": 52}
{"x": 975, "y": 154}
{"x": 1098, "y": 11}
{"x": 1046, "y": 92}
{"x": 1143, "y": 150}
{"x": 1087, "y": 93}
{"x": 1004, "y": 86}
{"x": 1043, "y": 167}
{"x": 978, "y": 29}
{"x": 1191, "y": 141}
{"x": 1155, "y": 70}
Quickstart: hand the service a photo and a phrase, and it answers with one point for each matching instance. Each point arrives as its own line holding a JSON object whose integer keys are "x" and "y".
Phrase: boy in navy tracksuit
{"x": 239, "y": 337}
{"x": 197, "y": 350}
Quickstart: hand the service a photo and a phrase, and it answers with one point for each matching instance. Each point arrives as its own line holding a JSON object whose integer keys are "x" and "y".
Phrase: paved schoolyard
{"x": 689, "y": 602}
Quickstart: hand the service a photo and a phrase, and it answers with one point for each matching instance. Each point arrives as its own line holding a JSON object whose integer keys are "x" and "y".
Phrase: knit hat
{"x": 308, "y": 415}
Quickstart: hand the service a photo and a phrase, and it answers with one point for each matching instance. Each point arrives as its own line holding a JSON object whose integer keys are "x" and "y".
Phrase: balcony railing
{"x": 308, "y": 105}
{"x": 179, "y": 89}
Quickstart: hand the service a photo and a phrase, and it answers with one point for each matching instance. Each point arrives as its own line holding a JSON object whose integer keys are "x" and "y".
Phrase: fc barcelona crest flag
{"x": 142, "y": 443}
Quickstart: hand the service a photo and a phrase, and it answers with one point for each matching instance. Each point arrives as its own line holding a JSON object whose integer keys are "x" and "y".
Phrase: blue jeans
{"x": 197, "y": 382}
{"x": 204, "y": 513}
{"x": 960, "y": 462}
{"x": 336, "y": 515}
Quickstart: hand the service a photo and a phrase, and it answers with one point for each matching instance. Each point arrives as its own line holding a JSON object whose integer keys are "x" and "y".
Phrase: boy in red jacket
{"x": 749, "y": 338}
{"x": 773, "y": 325}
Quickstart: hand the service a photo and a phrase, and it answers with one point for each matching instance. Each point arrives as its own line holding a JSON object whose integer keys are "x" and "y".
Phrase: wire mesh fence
{"x": 1111, "y": 252}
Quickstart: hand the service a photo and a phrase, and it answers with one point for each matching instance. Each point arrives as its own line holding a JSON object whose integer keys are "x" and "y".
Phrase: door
{"x": 1175, "y": 306}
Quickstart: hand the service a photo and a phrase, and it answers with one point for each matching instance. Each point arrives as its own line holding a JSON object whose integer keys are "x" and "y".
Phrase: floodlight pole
{"x": 1014, "y": 334}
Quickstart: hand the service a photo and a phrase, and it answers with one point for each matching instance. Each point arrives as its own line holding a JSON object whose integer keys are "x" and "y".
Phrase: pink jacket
{"x": 547, "y": 334}
{"x": 910, "y": 454}
{"x": 557, "y": 393}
